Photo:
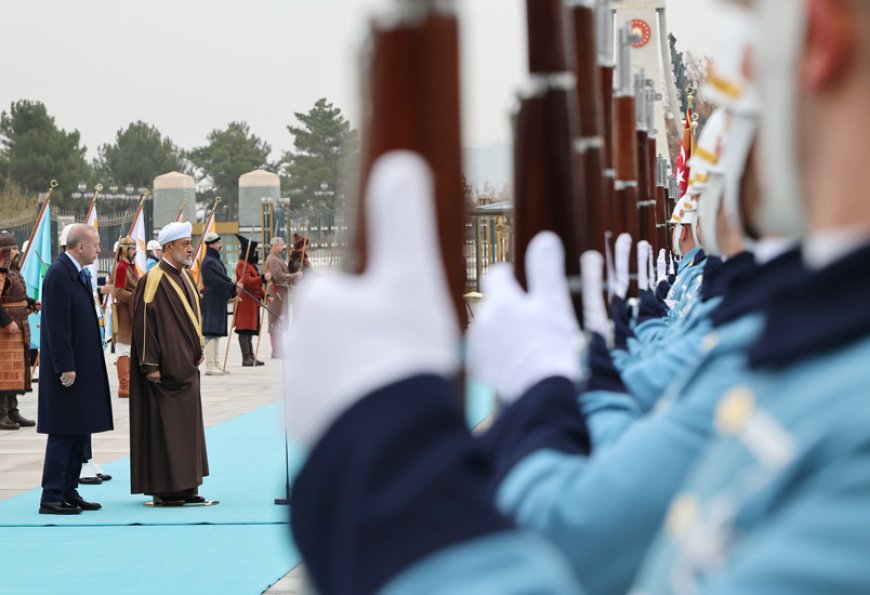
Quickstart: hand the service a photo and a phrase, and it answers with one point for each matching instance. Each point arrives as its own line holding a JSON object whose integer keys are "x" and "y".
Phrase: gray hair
{"x": 78, "y": 234}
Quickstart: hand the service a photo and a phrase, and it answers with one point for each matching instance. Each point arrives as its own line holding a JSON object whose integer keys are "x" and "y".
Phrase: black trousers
{"x": 63, "y": 464}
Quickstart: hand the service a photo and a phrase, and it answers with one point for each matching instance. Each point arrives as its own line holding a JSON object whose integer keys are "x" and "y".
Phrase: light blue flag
{"x": 34, "y": 267}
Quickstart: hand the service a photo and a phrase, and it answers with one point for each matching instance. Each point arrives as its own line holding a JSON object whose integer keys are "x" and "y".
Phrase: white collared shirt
{"x": 74, "y": 261}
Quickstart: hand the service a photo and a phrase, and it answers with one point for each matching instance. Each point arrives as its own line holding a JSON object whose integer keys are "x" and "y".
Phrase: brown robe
{"x": 167, "y": 435}
{"x": 278, "y": 290}
{"x": 18, "y": 307}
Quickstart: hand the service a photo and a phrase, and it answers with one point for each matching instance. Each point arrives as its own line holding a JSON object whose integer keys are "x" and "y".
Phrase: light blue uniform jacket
{"x": 779, "y": 504}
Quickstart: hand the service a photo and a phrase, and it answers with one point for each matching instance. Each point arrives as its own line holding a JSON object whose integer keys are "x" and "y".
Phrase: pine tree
{"x": 324, "y": 145}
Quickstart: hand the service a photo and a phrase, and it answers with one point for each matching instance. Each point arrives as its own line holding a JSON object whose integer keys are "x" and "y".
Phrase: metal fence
{"x": 488, "y": 240}
{"x": 488, "y": 236}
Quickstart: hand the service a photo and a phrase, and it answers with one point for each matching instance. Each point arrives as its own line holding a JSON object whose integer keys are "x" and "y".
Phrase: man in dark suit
{"x": 74, "y": 398}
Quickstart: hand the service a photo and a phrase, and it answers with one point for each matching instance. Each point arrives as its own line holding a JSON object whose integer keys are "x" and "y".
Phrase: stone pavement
{"x": 223, "y": 398}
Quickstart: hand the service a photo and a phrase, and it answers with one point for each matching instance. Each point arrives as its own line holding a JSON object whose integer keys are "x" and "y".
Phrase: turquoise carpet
{"x": 242, "y": 545}
{"x": 207, "y": 559}
{"x": 246, "y": 460}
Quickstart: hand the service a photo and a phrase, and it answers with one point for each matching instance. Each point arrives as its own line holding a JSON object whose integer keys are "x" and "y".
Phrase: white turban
{"x": 175, "y": 231}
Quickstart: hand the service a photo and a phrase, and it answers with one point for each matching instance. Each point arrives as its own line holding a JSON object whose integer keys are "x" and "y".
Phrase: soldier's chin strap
{"x": 778, "y": 56}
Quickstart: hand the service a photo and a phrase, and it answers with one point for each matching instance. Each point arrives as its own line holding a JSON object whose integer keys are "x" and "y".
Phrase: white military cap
{"x": 708, "y": 151}
{"x": 153, "y": 245}
{"x": 64, "y": 234}
{"x": 728, "y": 84}
{"x": 685, "y": 211}
{"x": 174, "y": 231}
{"x": 211, "y": 237}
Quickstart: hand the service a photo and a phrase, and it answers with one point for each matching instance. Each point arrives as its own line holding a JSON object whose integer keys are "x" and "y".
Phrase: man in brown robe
{"x": 167, "y": 438}
{"x": 279, "y": 282}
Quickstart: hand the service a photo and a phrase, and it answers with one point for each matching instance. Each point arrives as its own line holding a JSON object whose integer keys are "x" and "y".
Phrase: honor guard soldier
{"x": 248, "y": 309}
{"x": 218, "y": 290}
{"x": 17, "y": 307}
{"x": 125, "y": 278}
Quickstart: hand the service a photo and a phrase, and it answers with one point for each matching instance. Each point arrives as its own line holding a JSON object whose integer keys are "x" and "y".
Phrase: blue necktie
{"x": 85, "y": 277}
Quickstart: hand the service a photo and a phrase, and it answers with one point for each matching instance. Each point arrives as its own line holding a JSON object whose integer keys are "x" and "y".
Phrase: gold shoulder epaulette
{"x": 152, "y": 281}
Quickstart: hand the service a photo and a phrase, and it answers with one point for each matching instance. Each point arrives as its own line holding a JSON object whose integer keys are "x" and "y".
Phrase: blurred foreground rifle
{"x": 642, "y": 131}
{"x": 590, "y": 144}
{"x": 548, "y": 180}
{"x": 411, "y": 101}
{"x": 604, "y": 23}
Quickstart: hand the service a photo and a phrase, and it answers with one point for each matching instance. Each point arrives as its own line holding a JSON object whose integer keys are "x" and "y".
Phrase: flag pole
{"x": 52, "y": 185}
{"x": 181, "y": 210}
{"x": 97, "y": 189}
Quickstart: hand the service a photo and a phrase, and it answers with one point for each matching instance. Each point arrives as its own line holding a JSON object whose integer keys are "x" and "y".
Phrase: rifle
{"x": 590, "y": 144}
{"x": 661, "y": 204}
{"x": 547, "y": 193}
{"x": 643, "y": 172}
{"x": 651, "y": 97}
{"x": 625, "y": 157}
{"x": 411, "y": 90}
{"x": 606, "y": 66}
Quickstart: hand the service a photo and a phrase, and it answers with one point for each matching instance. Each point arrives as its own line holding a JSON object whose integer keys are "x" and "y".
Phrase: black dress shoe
{"x": 259, "y": 363}
{"x": 104, "y": 476}
{"x": 81, "y": 503}
{"x": 90, "y": 481}
{"x": 58, "y": 508}
{"x": 160, "y": 501}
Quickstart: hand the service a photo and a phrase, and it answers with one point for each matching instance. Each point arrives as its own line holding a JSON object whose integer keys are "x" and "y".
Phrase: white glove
{"x": 661, "y": 267}
{"x": 652, "y": 268}
{"x": 519, "y": 339}
{"x": 623, "y": 254}
{"x": 355, "y": 334}
{"x": 595, "y": 318}
{"x": 643, "y": 252}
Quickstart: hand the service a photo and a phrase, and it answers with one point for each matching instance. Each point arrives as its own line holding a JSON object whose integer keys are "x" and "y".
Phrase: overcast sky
{"x": 189, "y": 66}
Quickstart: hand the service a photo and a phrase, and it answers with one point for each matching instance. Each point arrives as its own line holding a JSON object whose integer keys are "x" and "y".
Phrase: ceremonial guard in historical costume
{"x": 155, "y": 253}
{"x": 15, "y": 375}
{"x": 167, "y": 438}
{"x": 299, "y": 259}
{"x": 248, "y": 309}
{"x": 279, "y": 282}
{"x": 218, "y": 290}
{"x": 125, "y": 277}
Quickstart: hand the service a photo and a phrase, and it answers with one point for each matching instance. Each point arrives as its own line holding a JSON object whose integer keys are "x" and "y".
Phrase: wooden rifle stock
{"x": 590, "y": 144}
{"x": 413, "y": 104}
{"x": 626, "y": 152}
{"x": 606, "y": 68}
{"x": 653, "y": 180}
{"x": 643, "y": 173}
{"x": 547, "y": 195}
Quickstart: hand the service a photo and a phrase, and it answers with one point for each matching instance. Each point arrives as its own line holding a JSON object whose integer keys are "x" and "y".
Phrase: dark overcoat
{"x": 70, "y": 341}
{"x": 219, "y": 289}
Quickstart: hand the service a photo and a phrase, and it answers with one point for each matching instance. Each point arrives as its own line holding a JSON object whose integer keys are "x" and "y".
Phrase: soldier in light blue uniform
{"x": 778, "y": 504}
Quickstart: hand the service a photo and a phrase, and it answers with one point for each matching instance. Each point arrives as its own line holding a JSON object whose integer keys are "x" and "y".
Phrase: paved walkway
{"x": 223, "y": 397}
